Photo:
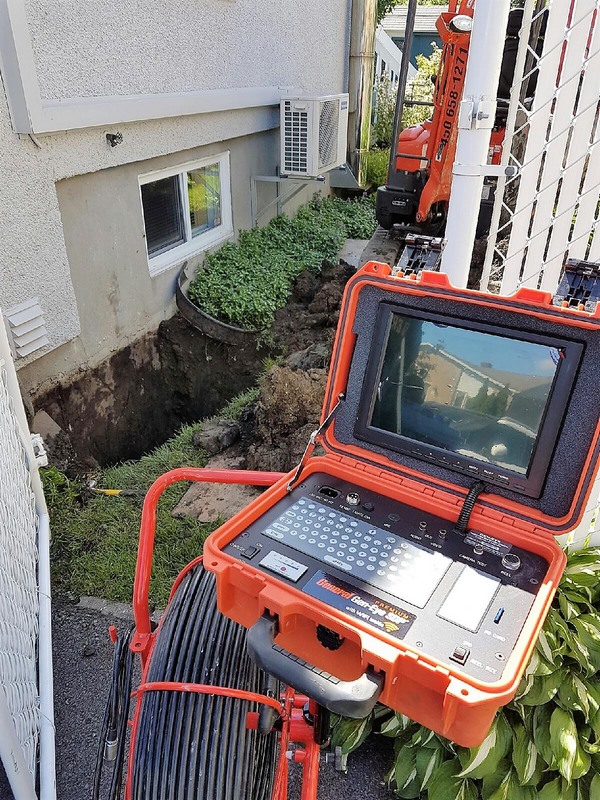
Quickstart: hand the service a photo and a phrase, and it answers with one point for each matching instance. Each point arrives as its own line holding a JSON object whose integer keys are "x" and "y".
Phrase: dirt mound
{"x": 286, "y": 413}
{"x": 311, "y": 314}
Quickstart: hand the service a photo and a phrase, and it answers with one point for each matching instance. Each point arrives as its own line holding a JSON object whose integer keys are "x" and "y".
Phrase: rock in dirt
{"x": 217, "y": 435}
{"x": 210, "y": 502}
{"x": 315, "y": 356}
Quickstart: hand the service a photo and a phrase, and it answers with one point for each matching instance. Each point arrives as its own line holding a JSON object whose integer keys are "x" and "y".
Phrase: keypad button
{"x": 370, "y": 567}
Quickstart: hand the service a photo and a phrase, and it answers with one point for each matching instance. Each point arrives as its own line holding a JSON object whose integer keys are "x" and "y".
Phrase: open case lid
{"x": 445, "y": 387}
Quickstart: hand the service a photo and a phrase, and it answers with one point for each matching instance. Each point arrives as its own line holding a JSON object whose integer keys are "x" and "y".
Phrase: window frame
{"x": 193, "y": 244}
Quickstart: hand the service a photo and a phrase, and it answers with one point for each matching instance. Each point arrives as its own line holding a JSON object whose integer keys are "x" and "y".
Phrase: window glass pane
{"x": 163, "y": 216}
{"x": 204, "y": 192}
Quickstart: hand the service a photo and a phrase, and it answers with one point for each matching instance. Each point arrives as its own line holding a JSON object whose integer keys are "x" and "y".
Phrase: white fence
{"x": 549, "y": 210}
{"x": 26, "y": 710}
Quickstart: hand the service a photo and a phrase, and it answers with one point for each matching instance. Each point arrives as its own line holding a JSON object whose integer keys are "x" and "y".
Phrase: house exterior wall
{"x": 110, "y": 49}
{"x": 124, "y": 47}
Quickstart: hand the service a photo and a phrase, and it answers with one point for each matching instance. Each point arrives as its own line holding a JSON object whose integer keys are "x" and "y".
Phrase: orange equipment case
{"x": 465, "y": 561}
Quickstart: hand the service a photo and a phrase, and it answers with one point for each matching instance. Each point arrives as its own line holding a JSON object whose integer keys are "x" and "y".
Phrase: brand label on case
{"x": 360, "y": 604}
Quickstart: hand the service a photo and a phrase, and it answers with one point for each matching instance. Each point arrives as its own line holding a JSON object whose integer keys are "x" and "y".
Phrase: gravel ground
{"x": 82, "y": 669}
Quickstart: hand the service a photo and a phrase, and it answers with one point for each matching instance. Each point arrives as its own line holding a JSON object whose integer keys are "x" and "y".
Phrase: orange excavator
{"x": 417, "y": 190}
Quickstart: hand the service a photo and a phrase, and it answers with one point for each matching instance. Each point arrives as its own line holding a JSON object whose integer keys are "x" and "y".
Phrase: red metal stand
{"x": 295, "y": 730}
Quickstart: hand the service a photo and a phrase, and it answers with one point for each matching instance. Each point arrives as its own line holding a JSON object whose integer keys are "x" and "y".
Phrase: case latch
{"x": 580, "y": 286}
{"x": 312, "y": 442}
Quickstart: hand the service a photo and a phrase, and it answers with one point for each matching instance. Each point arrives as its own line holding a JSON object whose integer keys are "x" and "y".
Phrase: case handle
{"x": 355, "y": 699}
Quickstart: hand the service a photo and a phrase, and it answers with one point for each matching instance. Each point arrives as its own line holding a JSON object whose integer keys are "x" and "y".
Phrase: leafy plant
{"x": 385, "y": 105}
{"x": 247, "y": 282}
{"x": 385, "y": 6}
{"x": 421, "y": 88}
{"x": 545, "y": 744}
{"x": 377, "y": 167}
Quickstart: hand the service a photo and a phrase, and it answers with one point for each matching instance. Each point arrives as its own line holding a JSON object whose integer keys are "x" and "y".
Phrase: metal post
{"x": 411, "y": 14}
{"x": 476, "y": 120}
{"x": 360, "y": 84}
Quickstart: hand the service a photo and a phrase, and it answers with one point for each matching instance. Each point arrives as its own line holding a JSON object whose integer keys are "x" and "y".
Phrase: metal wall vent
{"x": 27, "y": 326}
{"x": 328, "y": 132}
{"x": 295, "y": 138}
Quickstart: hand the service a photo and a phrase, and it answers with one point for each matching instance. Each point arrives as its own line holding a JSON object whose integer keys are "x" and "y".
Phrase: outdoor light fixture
{"x": 114, "y": 138}
{"x": 461, "y": 23}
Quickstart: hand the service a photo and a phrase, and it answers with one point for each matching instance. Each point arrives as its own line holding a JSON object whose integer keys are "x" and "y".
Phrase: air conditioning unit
{"x": 314, "y": 130}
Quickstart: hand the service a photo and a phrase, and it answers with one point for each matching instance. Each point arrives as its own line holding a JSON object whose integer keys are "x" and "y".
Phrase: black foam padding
{"x": 577, "y": 432}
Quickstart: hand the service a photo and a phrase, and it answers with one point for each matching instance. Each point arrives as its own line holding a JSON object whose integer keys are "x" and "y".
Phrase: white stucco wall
{"x": 103, "y": 47}
{"x": 87, "y": 48}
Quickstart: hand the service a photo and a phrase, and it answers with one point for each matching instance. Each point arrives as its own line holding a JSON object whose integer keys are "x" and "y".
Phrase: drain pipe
{"x": 360, "y": 84}
{"x": 476, "y": 120}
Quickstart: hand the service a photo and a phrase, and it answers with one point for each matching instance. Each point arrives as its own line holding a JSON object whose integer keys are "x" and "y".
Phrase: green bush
{"x": 246, "y": 283}
{"x": 421, "y": 88}
{"x": 386, "y": 94}
{"x": 377, "y": 167}
{"x": 545, "y": 745}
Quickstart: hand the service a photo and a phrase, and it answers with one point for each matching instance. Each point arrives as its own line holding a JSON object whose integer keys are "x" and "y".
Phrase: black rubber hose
{"x": 116, "y": 714}
{"x": 467, "y": 508}
{"x": 192, "y": 746}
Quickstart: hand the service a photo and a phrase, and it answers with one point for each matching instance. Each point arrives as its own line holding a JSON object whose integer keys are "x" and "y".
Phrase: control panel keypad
{"x": 401, "y": 568}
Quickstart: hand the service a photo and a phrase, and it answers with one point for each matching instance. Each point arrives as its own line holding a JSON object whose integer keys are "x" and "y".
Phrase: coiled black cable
{"x": 113, "y": 733}
{"x": 195, "y": 746}
{"x": 467, "y": 507}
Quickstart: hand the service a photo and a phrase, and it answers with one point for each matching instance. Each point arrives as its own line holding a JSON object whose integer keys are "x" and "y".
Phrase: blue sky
{"x": 475, "y": 347}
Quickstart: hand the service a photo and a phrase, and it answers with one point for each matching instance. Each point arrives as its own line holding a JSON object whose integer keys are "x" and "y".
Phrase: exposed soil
{"x": 136, "y": 399}
{"x": 276, "y": 428}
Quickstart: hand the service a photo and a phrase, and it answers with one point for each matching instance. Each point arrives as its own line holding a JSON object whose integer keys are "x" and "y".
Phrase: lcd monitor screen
{"x": 472, "y": 398}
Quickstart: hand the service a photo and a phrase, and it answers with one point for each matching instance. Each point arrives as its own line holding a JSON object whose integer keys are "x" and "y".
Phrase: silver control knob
{"x": 353, "y": 499}
{"x": 511, "y": 561}
{"x": 478, "y": 549}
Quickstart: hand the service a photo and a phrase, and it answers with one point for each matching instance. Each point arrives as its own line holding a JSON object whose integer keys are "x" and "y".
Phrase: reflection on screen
{"x": 478, "y": 394}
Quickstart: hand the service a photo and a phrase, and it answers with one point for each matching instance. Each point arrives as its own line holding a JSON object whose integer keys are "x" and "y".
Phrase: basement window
{"x": 186, "y": 210}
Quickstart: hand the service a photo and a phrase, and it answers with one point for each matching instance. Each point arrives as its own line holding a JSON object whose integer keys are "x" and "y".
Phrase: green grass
{"x": 246, "y": 283}
{"x": 95, "y": 537}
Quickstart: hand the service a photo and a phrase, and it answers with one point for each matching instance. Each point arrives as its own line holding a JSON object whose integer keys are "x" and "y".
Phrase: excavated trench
{"x": 139, "y": 397}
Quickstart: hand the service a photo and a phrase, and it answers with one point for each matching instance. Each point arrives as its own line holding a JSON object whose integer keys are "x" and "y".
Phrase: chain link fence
{"x": 549, "y": 210}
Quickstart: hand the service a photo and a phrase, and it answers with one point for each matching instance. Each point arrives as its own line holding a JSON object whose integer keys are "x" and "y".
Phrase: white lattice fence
{"x": 25, "y": 709}
{"x": 549, "y": 210}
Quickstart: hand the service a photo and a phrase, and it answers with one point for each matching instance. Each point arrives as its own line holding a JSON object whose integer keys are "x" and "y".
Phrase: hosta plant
{"x": 545, "y": 745}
